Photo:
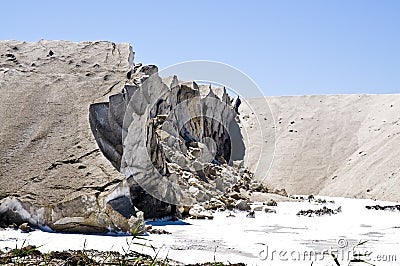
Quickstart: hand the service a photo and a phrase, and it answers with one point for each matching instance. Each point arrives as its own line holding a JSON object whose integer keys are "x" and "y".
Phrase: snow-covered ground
{"x": 280, "y": 238}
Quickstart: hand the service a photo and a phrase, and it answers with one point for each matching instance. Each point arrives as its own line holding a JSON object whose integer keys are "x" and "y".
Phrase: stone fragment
{"x": 25, "y": 228}
{"x": 242, "y": 205}
{"x": 200, "y": 212}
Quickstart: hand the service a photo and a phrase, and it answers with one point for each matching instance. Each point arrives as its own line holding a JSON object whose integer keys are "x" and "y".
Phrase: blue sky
{"x": 286, "y": 47}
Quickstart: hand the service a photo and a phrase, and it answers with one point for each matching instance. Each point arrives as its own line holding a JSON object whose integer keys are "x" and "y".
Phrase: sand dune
{"x": 336, "y": 145}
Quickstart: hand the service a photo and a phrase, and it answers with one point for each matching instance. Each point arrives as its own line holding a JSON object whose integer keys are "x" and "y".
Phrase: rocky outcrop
{"x": 174, "y": 141}
{"x": 81, "y": 156}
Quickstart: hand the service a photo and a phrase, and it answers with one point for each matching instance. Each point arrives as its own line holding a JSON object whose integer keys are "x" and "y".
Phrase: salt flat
{"x": 280, "y": 238}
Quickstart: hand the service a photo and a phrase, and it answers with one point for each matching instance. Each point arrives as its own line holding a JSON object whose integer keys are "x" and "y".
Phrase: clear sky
{"x": 287, "y": 47}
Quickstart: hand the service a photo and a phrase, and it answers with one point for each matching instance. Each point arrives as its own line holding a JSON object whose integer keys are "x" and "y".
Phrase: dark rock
{"x": 251, "y": 214}
{"x": 321, "y": 201}
{"x": 236, "y": 196}
{"x": 156, "y": 231}
{"x": 236, "y": 103}
{"x": 281, "y": 192}
{"x": 25, "y": 228}
{"x": 243, "y": 205}
{"x": 229, "y": 202}
{"x": 256, "y": 186}
{"x": 269, "y": 210}
{"x": 124, "y": 206}
{"x": 320, "y": 212}
{"x": 384, "y": 208}
{"x": 129, "y": 74}
{"x": 271, "y": 202}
